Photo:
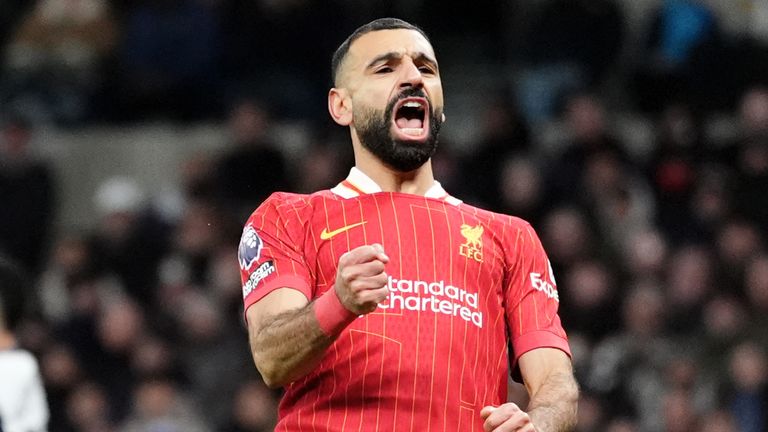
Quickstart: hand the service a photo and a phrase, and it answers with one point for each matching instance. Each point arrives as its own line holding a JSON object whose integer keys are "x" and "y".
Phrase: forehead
{"x": 400, "y": 41}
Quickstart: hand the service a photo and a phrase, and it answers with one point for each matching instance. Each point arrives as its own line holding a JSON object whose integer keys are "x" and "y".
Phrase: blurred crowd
{"x": 660, "y": 255}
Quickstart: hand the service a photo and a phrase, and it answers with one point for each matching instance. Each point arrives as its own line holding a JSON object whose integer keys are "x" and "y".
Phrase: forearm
{"x": 553, "y": 407}
{"x": 289, "y": 337}
{"x": 288, "y": 345}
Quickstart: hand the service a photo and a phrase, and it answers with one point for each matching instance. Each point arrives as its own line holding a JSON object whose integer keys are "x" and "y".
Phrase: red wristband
{"x": 332, "y": 316}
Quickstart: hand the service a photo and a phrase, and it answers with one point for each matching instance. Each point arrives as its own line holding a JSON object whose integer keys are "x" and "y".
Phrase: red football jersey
{"x": 463, "y": 282}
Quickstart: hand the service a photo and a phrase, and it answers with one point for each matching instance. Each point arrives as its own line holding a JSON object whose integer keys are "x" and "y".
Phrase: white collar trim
{"x": 358, "y": 182}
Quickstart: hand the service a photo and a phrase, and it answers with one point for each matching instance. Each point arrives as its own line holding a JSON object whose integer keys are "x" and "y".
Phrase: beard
{"x": 375, "y": 135}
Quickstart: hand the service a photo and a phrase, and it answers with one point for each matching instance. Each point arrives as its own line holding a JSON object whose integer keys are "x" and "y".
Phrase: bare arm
{"x": 286, "y": 343}
{"x": 287, "y": 340}
{"x": 548, "y": 376}
{"x": 553, "y": 391}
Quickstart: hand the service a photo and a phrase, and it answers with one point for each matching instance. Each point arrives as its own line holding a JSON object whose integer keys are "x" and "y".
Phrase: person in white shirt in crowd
{"x": 23, "y": 404}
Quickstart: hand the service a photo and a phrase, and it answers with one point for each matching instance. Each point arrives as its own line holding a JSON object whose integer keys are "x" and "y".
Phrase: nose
{"x": 411, "y": 76}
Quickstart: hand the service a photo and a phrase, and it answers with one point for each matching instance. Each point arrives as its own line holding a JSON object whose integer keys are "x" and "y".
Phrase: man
{"x": 385, "y": 304}
{"x": 28, "y": 183}
{"x": 23, "y": 405}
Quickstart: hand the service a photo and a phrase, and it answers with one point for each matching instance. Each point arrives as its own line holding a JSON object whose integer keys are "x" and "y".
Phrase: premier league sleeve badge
{"x": 250, "y": 248}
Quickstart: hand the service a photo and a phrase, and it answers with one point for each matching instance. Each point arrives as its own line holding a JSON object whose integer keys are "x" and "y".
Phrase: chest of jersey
{"x": 443, "y": 260}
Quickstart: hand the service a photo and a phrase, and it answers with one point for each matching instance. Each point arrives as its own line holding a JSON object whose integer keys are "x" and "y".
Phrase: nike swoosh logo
{"x": 325, "y": 234}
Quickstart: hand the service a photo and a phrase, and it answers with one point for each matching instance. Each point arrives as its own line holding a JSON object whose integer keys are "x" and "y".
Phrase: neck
{"x": 416, "y": 182}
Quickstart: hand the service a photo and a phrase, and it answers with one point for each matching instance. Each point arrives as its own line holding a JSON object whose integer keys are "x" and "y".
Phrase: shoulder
{"x": 285, "y": 213}
{"x": 290, "y": 199}
{"x": 285, "y": 200}
{"x": 21, "y": 362}
{"x": 515, "y": 233}
{"x": 289, "y": 205}
{"x": 496, "y": 220}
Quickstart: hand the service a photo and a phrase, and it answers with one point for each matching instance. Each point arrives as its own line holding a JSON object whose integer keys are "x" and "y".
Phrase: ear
{"x": 340, "y": 106}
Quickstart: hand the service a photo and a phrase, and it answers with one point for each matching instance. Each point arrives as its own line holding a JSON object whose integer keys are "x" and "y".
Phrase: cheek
{"x": 436, "y": 90}
{"x": 362, "y": 110}
{"x": 374, "y": 95}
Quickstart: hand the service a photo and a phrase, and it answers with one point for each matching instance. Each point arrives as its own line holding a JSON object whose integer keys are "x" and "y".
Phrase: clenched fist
{"x": 361, "y": 282}
{"x": 506, "y": 418}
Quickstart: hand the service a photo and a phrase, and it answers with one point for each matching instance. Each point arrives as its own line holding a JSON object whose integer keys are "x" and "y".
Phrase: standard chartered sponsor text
{"x": 437, "y": 297}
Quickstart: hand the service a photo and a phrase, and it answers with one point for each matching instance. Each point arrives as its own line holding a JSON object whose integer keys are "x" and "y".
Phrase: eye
{"x": 384, "y": 70}
{"x": 426, "y": 69}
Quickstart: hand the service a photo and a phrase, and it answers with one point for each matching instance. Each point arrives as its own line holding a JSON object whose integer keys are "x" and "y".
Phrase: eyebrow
{"x": 394, "y": 55}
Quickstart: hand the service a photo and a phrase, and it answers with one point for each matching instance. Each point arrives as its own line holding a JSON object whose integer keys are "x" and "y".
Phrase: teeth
{"x": 412, "y": 105}
{"x": 412, "y": 131}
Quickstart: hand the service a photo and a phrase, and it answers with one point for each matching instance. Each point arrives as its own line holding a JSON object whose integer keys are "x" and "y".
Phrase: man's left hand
{"x": 506, "y": 418}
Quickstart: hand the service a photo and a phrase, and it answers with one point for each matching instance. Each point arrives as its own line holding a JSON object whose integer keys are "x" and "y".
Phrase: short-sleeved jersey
{"x": 465, "y": 285}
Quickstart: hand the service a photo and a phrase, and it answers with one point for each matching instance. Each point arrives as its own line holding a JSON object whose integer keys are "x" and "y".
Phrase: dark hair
{"x": 376, "y": 25}
{"x": 13, "y": 292}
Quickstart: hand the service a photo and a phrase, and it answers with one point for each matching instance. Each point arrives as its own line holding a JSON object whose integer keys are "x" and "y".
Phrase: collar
{"x": 358, "y": 183}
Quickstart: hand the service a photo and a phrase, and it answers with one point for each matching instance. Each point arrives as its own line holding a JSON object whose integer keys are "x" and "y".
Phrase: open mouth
{"x": 411, "y": 118}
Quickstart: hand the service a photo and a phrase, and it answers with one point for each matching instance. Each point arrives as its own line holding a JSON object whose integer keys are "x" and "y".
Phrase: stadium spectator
{"x": 712, "y": 202}
{"x": 473, "y": 29}
{"x": 62, "y": 373}
{"x": 591, "y": 415}
{"x": 737, "y": 242}
{"x": 645, "y": 257}
{"x": 725, "y": 323}
{"x": 568, "y": 45}
{"x": 689, "y": 282}
{"x": 749, "y": 393}
{"x": 28, "y": 182}
{"x": 23, "y": 404}
{"x": 212, "y": 355}
{"x": 681, "y": 41}
{"x": 589, "y": 140}
{"x": 56, "y": 58}
{"x": 674, "y": 167}
{"x": 118, "y": 329}
{"x": 253, "y": 409}
{"x": 88, "y": 409}
{"x": 756, "y": 290}
{"x": 592, "y": 292}
{"x": 568, "y": 236}
{"x": 685, "y": 375}
{"x": 319, "y": 166}
{"x": 627, "y": 366}
{"x": 129, "y": 239}
{"x": 169, "y": 61}
{"x": 747, "y": 157}
{"x": 252, "y": 165}
{"x": 224, "y": 283}
{"x": 10, "y": 12}
{"x": 157, "y": 356}
{"x": 622, "y": 424}
{"x": 718, "y": 421}
{"x": 520, "y": 188}
{"x": 679, "y": 414}
{"x": 262, "y": 61}
{"x": 158, "y": 404}
{"x": 505, "y": 135}
{"x": 71, "y": 273}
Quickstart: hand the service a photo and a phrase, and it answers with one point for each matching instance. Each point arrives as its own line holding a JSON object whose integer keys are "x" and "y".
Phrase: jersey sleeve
{"x": 531, "y": 298}
{"x": 270, "y": 251}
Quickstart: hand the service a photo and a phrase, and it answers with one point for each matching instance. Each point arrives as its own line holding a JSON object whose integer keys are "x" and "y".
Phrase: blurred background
{"x": 137, "y": 136}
